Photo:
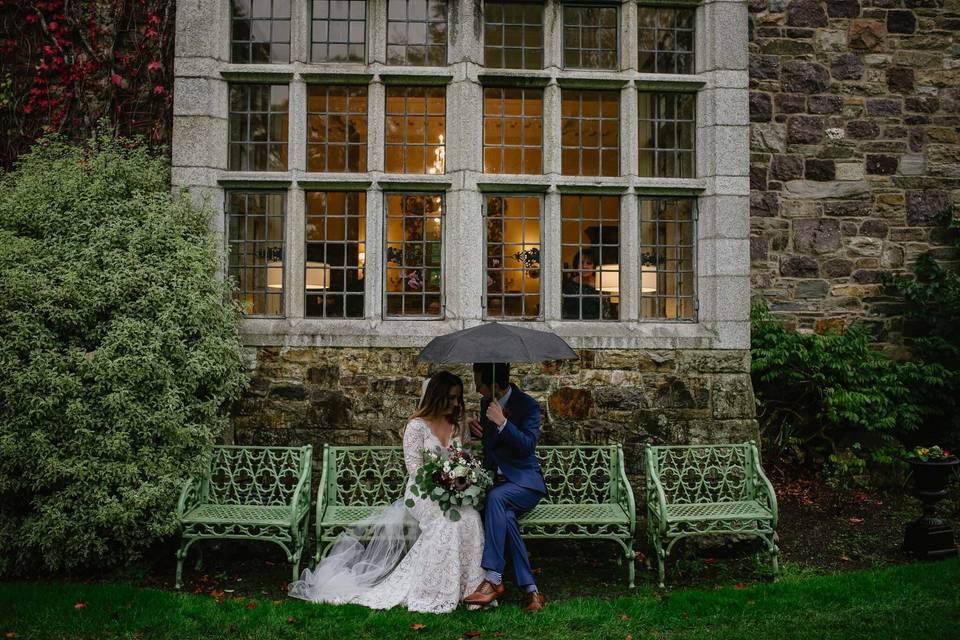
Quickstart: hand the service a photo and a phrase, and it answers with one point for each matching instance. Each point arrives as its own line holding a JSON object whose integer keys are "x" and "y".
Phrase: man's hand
{"x": 495, "y": 413}
{"x": 475, "y": 427}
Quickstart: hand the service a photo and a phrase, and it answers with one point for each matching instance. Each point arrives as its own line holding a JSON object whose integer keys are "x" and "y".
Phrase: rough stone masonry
{"x": 855, "y": 166}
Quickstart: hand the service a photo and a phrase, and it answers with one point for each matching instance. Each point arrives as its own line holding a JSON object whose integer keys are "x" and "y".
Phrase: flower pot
{"x": 932, "y": 477}
{"x": 928, "y": 536}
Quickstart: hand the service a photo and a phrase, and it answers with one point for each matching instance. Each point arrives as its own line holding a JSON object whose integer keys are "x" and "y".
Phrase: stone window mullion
{"x": 550, "y": 256}
{"x": 294, "y": 253}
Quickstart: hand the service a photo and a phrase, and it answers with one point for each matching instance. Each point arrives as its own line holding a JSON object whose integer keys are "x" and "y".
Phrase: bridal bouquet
{"x": 453, "y": 478}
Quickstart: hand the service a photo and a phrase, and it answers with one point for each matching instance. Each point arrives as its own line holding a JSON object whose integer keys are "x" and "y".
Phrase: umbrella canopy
{"x": 494, "y": 342}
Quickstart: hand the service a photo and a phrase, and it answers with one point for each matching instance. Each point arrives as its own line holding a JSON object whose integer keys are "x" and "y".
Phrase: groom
{"x": 510, "y": 427}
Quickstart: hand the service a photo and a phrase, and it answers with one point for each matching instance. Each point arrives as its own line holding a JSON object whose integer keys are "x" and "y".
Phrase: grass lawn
{"x": 915, "y": 601}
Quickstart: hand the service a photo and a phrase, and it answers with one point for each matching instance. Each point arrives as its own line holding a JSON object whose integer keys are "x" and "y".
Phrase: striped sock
{"x": 493, "y": 576}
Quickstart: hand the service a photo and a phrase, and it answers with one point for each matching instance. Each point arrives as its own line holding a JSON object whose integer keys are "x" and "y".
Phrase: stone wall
{"x": 363, "y": 396}
{"x": 855, "y": 112}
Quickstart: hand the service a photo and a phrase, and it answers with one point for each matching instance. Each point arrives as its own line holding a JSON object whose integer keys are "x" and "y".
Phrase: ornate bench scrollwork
{"x": 589, "y": 494}
{"x": 249, "y": 493}
{"x": 708, "y": 490}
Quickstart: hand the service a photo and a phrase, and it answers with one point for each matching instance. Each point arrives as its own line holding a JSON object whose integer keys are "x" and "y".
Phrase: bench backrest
{"x": 704, "y": 473}
{"x": 260, "y": 476}
{"x": 360, "y": 475}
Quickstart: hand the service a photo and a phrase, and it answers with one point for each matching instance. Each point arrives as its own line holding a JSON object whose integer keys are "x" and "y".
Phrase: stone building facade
{"x": 855, "y": 166}
{"x": 367, "y": 161}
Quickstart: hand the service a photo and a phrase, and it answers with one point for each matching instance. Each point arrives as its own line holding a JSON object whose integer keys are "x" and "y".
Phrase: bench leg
{"x": 181, "y": 556}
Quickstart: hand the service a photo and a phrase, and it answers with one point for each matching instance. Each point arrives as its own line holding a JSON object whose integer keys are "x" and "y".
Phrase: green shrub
{"x": 828, "y": 399}
{"x": 932, "y": 313}
{"x": 119, "y": 350}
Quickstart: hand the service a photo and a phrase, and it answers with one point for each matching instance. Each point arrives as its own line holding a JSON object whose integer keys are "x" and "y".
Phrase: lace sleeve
{"x": 413, "y": 437}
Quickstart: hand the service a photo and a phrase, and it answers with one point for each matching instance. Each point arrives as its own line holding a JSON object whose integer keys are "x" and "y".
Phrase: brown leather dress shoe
{"x": 486, "y": 593}
{"x": 535, "y": 602}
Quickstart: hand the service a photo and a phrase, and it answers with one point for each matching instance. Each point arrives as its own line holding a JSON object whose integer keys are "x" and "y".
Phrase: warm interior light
{"x": 318, "y": 276}
{"x": 648, "y": 279}
{"x": 361, "y": 261}
{"x": 608, "y": 281}
{"x": 275, "y": 275}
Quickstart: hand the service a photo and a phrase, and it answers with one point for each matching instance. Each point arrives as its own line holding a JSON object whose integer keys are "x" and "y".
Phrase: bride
{"x": 383, "y": 562}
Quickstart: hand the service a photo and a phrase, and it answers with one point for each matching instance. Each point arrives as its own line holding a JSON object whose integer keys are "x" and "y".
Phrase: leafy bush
{"x": 933, "y": 327}
{"x": 119, "y": 348}
{"x": 828, "y": 399}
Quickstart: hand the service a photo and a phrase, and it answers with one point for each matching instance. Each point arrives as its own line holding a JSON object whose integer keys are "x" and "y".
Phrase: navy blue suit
{"x": 513, "y": 451}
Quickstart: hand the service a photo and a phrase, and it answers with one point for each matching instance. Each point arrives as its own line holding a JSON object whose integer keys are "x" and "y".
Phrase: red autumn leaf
{"x": 292, "y": 620}
{"x": 639, "y": 556}
{"x": 416, "y": 626}
{"x": 80, "y": 605}
{"x": 739, "y": 585}
{"x": 252, "y": 604}
{"x": 472, "y": 634}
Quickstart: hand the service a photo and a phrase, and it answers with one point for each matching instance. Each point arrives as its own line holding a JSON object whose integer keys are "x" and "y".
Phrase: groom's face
{"x": 482, "y": 388}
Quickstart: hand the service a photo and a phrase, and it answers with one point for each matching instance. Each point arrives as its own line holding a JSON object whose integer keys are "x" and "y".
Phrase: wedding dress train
{"x": 385, "y": 561}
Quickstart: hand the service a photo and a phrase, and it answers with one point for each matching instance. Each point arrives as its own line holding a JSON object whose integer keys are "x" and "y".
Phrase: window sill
{"x": 369, "y": 333}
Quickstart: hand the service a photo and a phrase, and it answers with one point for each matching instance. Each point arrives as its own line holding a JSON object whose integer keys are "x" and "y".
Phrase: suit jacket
{"x": 513, "y": 449}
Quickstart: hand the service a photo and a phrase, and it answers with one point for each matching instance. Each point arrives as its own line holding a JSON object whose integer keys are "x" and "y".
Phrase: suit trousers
{"x": 505, "y": 502}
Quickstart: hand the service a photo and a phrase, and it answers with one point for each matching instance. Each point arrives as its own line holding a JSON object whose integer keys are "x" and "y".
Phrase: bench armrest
{"x": 655, "y": 491}
{"x": 190, "y": 496}
{"x": 762, "y": 484}
{"x": 322, "y": 490}
{"x": 301, "y": 494}
{"x": 626, "y": 498}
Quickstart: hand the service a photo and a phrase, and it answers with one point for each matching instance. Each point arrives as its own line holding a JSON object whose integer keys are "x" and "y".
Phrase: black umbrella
{"x": 494, "y": 342}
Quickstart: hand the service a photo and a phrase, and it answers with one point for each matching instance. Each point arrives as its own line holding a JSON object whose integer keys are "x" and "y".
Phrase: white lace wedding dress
{"x": 430, "y": 572}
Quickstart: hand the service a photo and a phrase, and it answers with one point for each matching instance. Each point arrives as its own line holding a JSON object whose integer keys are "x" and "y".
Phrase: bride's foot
{"x": 486, "y": 593}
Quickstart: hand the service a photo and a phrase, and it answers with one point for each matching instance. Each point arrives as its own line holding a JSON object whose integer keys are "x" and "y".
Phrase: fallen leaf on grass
{"x": 629, "y": 637}
{"x": 292, "y": 620}
{"x": 416, "y": 626}
{"x": 845, "y": 558}
{"x": 535, "y": 571}
{"x": 739, "y": 585}
{"x": 276, "y": 603}
{"x": 80, "y": 605}
{"x": 709, "y": 560}
{"x": 854, "y": 520}
{"x": 624, "y": 617}
{"x": 10, "y": 634}
{"x": 472, "y": 634}
{"x": 251, "y": 605}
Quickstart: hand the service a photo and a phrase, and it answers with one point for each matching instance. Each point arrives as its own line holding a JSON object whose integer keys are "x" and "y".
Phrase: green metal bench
{"x": 708, "y": 490}
{"x": 249, "y": 493}
{"x": 589, "y": 496}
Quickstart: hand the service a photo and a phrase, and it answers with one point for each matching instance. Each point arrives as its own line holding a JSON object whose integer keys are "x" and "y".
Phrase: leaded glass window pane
{"x": 513, "y": 35}
{"x": 415, "y": 129}
{"x": 513, "y": 261}
{"x": 255, "y": 221}
{"x": 590, "y": 256}
{"x": 667, "y": 126}
{"x": 417, "y": 32}
{"x": 590, "y": 133}
{"x": 413, "y": 271}
{"x": 667, "y": 256}
{"x": 337, "y": 128}
{"x": 512, "y": 130}
{"x": 335, "y": 254}
{"x": 589, "y": 37}
{"x": 260, "y": 31}
{"x": 258, "y": 127}
{"x": 338, "y": 31}
{"x": 666, "y": 39}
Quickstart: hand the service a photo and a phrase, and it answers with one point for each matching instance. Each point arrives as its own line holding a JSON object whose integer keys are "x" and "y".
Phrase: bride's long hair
{"x": 435, "y": 400}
